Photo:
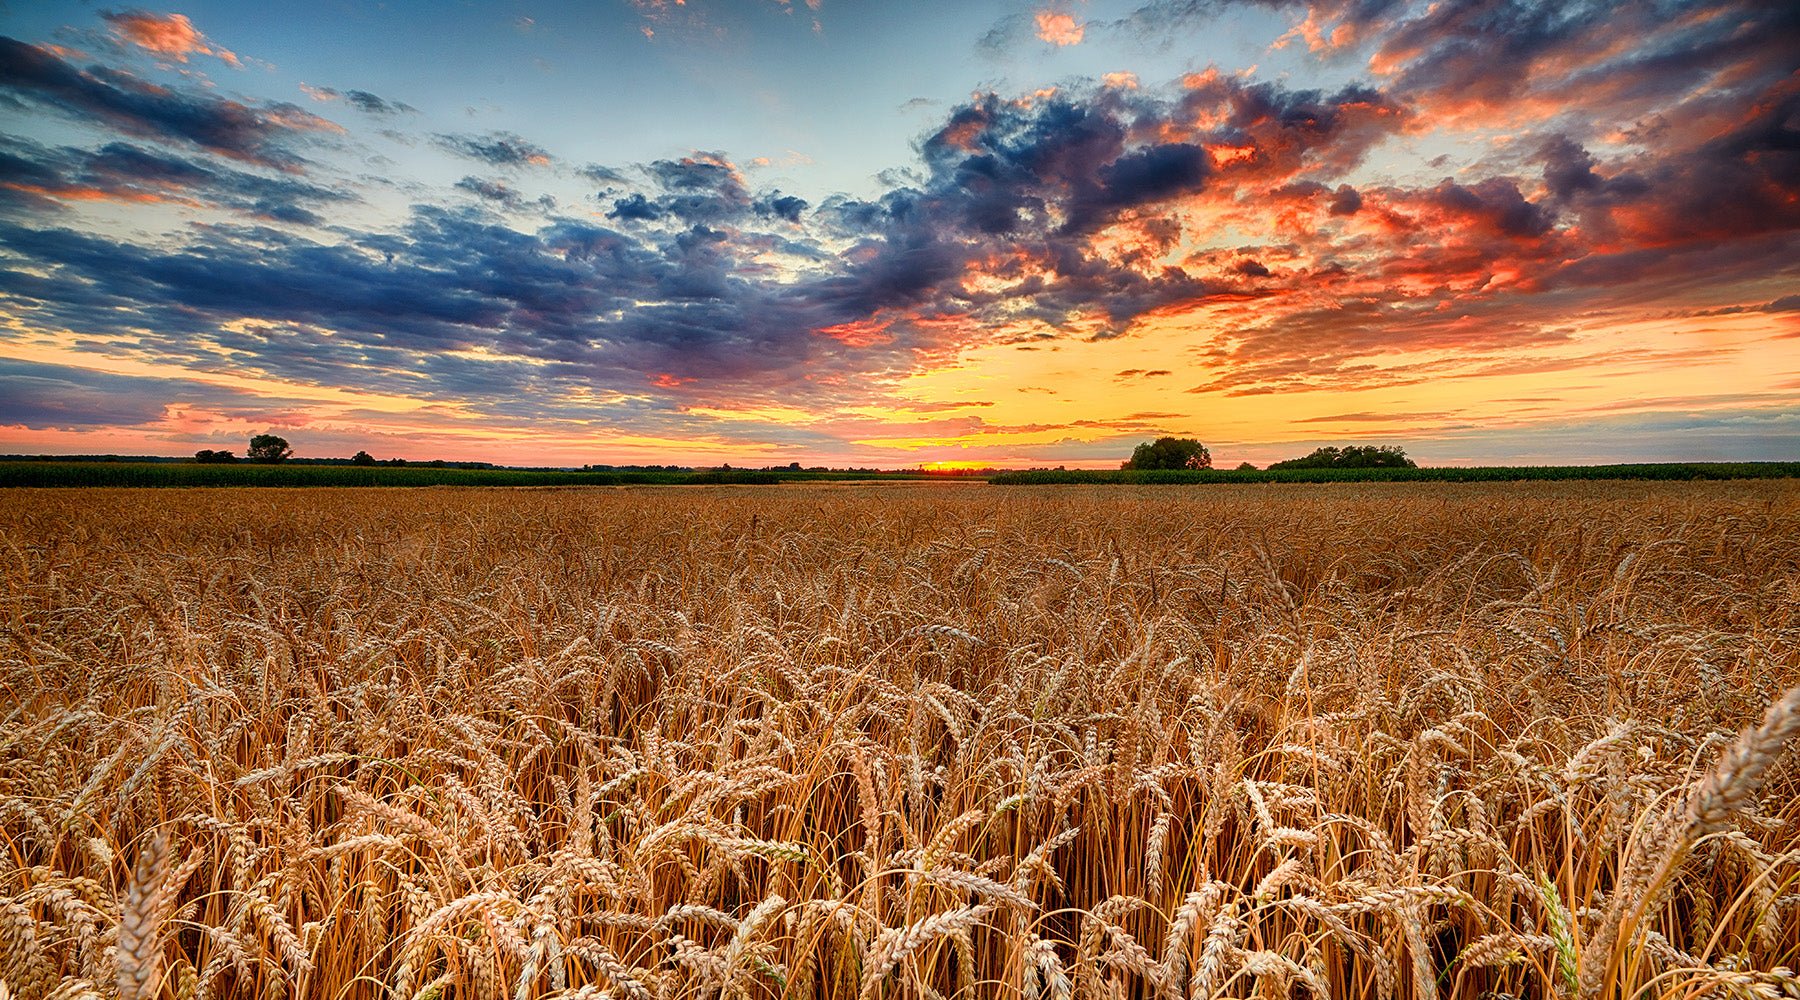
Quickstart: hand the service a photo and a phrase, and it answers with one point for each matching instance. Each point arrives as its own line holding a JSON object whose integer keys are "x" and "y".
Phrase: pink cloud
{"x": 1059, "y": 28}
{"x": 171, "y": 36}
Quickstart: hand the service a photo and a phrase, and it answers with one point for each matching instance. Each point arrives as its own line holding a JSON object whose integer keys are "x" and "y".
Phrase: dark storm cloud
{"x": 254, "y": 134}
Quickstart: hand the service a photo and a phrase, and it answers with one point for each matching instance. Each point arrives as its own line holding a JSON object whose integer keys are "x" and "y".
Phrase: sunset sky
{"x": 893, "y": 233}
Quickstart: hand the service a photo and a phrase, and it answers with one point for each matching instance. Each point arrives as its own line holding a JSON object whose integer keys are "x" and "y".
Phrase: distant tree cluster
{"x": 1351, "y": 457}
{"x": 1169, "y": 453}
{"x": 265, "y": 448}
{"x": 269, "y": 449}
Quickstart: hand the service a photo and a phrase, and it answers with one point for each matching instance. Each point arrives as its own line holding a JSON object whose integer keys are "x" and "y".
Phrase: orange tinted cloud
{"x": 871, "y": 332}
{"x": 1059, "y": 28}
{"x": 77, "y": 192}
{"x": 171, "y": 36}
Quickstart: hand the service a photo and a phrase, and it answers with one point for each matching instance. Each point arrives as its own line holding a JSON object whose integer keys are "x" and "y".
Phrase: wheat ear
{"x": 140, "y": 921}
{"x": 1724, "y": 793}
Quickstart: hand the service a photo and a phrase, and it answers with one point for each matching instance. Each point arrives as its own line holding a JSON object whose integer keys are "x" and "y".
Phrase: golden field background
{"x": 1410, "y": 741}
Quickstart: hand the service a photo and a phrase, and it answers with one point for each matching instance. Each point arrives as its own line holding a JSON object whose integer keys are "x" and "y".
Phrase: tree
{"x": 269, "y": 449}
{"x": 1351, "y": 457}
{"x": 206, "y": 456}
{"x": 1246, "y": 467}
{"x": 362, "y": 458}
{"x": 1170, "y": 453}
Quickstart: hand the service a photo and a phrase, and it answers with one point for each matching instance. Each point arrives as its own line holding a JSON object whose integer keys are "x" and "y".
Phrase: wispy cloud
{"x": 265, "y": 134}
{"x": 361, "y": 100}
{"x": 500, "y": 149}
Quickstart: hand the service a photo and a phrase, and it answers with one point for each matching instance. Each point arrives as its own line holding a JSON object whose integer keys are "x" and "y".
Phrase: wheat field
{"x": 1388, "y": 741}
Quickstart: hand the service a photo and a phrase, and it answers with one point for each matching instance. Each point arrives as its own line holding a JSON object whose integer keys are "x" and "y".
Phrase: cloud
{"x": 704, "y": 188}
{"x": 1058, "y": 28}
{"x": 170, "y": 36}
{"x": 591, "y": 306}
{"x": 1135, "y": 373}
{"x": 786, "y": 207}
{"x": 500, "y": 149}
{"x": 58, "y": 397}
{"x": 261, "y": 134}
{"x": 503, "y": 195}
{"x": 361, "y": 100}
{"x": 600, "y": 174}
{"x": 1373, "y": 417}
{"x": 44, "y": 178}
{"x": 635, "y": 208}
{"x": 1011, "y": 224}
{"x": 1267, "y": 216}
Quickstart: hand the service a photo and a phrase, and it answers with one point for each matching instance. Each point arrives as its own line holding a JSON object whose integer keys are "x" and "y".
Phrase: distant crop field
{"x": 187, "y": 474}
{"x": 1389, "y": 741}
{"x": 1432, "y": 474}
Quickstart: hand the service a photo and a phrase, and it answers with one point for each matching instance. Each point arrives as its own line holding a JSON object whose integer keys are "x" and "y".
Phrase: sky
{"x": 847, "y": 232}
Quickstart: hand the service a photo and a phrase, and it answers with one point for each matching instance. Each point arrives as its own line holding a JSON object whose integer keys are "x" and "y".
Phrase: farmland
{"x": 1387, "y": 740}
{"x": 178, "y": 474}
{"x": 289, "y": 474}
{"x": 1661, "y": 471}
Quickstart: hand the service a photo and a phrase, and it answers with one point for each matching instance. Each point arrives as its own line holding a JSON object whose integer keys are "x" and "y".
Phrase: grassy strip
{"x": 58, "y": 474}
{"x": 178, "y": 474}
{"x": 1684, "y": 470}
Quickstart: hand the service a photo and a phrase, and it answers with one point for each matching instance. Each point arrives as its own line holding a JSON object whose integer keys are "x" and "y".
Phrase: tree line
{"x": 1162, "y": 453}
{"x": 1188, "y": 453}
